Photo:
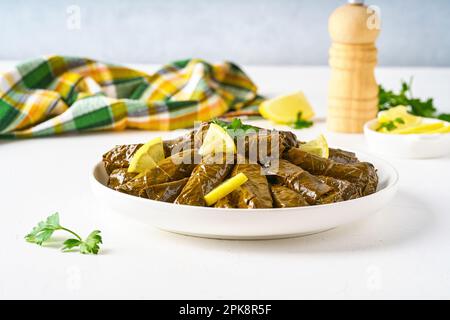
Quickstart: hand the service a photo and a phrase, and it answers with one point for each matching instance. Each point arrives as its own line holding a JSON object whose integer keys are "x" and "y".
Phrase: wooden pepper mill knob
{"x": 353, "y": 90}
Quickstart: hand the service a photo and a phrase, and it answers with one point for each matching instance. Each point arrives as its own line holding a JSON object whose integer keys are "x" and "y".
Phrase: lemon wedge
{"x": 318, "y": 147}
{"x": 217, "y": 140}
{"x": 225, "y": 188}
{"x": 147, "y": 156}
{"x": 285, "y": 109}
{"x": 421, "y": 128}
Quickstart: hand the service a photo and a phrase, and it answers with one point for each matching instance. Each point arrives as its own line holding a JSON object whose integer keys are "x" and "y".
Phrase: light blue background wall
{"x": 414, "y": 32}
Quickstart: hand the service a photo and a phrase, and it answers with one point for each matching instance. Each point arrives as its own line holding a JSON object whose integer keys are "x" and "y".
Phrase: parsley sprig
{"x": 236, "y": 128}
{"x": 45, "y": 229}
{"x": 301, "y": 123}
{"x": 423, "y": 108}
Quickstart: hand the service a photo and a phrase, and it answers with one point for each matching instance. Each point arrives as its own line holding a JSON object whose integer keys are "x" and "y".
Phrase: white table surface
{"x": 401, "y": 252}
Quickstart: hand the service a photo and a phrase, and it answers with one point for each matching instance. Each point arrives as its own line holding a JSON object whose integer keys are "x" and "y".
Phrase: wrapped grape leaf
{"x": 265, "y": 146}
{"x": 173, "y": 168}
{"x": 333, "y": 197}
{"x": 178, "y": 144}
{"x": 361, "y": 173}
{"x": 339, "y": 155}
{"x": 347, "y": 189}
{"x": 226, "y": 202}
{"x": 199, "y": 134}
{"x": 191, "y": 140}
{"x": 119, "y": 157}
{"x": 206, "y": 176}
{"x": 283, "y": 197}
{"x": 254, "y": 193}
{"x": 301, "y": 181}
{"x": 119, "y": 177}
{"x": 166, "y": 192}
{"x": 342, "y": 156}
{"x": 179, "y": 165}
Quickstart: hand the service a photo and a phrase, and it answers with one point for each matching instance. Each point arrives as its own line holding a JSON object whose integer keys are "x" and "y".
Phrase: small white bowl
{"x": 411, "y": 146}
{"x": 246, "y": 223}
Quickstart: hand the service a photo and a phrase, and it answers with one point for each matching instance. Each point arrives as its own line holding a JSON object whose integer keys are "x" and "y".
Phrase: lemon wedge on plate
{"x": 217, "y": 140}
{"x": 286, "y": 108}
{"x": 225, "y": 188}
{"x": 318, "y": 147}
{"x": 147, "y": 156}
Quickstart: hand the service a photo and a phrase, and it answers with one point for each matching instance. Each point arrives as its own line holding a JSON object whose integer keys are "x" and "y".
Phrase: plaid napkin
{"x": 56, "y": 94}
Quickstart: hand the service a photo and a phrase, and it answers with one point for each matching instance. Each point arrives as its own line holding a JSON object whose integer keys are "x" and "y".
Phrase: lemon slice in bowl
{"x": 444, "y": 129}
{"x": 399, "y": 117}
{"x": 286, "y": 108}
{"x": 217, "y": 140}
{"x": 420, "y": 129}
{"x": 147, "y": 156}
{"x": 225, "y": 188}
{"x": 318, "y": 147}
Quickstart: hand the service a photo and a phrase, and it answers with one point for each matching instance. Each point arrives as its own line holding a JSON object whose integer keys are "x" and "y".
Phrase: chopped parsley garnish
{"x": 236, "y": 128}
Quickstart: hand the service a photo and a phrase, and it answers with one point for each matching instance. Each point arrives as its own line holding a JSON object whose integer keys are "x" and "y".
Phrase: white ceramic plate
{"x": 247, "y": 223}
{"x": 410, "y": 146}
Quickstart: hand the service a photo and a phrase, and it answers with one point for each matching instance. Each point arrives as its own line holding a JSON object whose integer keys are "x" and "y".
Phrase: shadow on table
{"x": 405, "y": 219}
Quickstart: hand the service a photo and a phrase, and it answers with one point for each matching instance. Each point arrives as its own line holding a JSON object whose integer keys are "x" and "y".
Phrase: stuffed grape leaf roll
{"x": 339, "y": 155}
{"x": 265, "y": 146}
{"x": 173, "y": 168}
{"x": 361, "y": 173}
{"x": 206, "y": 176}
{"x": 301, "y": 181}
{"x": 347, "y": 189}
{"x": 166, "y": 192}
{"x": 178, "y": 144}
{"x": 255, "y": 193}
{"x": 226, "y": 202}
{"x": 342, "y": 156}
{"x": 191, "y": 140}
{"x": 119, "y": 177}
{"x": 283, "y": 197}
{"x": 119, "y": 157}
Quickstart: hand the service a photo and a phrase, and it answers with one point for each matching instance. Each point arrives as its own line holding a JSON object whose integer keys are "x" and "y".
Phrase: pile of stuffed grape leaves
{"x": 234, "y": 165}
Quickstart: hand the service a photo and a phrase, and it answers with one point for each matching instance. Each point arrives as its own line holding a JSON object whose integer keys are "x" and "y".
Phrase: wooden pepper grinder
{"x": 353, "y": 91}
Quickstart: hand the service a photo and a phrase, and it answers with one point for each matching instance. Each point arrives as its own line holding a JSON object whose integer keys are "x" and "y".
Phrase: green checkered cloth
{"x": 55, "y": 95}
